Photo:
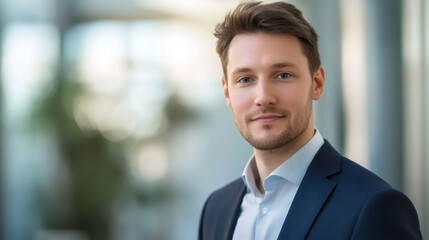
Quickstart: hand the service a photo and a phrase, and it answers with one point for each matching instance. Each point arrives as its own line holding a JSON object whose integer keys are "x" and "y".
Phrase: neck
{"x": 269, "y": 160}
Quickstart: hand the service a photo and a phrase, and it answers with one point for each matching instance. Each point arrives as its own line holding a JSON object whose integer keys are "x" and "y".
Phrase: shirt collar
{"x": 292, "y": 170}
{"x": 250, "y": 175}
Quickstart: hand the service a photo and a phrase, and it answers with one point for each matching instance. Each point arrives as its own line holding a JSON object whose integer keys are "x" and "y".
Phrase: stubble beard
{"x": 288, "y": 135}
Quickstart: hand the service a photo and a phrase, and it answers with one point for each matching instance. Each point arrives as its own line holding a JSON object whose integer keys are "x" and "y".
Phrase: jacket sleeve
{"x": 390, "y": 215}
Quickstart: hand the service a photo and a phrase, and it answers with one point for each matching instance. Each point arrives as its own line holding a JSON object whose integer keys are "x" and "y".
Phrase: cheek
{"x": 240, "y": 102}
{"x": 295, "y": 97}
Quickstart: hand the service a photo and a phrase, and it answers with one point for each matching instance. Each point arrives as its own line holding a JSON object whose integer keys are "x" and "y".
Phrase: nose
{"x": 265, "y": 93}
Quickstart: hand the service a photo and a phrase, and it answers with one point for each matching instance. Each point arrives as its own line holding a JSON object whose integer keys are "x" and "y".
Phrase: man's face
{"x": 270, "y": 89}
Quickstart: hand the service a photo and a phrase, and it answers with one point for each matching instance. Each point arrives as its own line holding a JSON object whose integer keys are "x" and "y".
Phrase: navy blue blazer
{"x": 337, "y": 199}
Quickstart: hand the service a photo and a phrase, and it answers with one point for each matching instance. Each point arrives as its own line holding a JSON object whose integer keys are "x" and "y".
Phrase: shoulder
{"x": 360, "y": 183}
{"x": 355, "y": 175}
{"x": 387, "y": 214}
{"x": 365, "y": 185}
{"x": 376, "y": 210}
{"x": 224, "y": 194}
{"x": 221, "y": 207}
{"x": 353, "y": 182}
{"x": 349, "y": 176}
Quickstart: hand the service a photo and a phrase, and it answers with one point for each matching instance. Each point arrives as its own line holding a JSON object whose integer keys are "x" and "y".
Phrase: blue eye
{"x": 283, "y": 75}
{"x": 245, "y": 80}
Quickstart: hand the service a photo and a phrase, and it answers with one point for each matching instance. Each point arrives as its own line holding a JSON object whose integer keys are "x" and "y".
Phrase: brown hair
{"x": 278, "y": 17}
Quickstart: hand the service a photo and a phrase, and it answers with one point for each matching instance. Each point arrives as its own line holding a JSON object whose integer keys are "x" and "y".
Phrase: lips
{"x": 267, "y": 118}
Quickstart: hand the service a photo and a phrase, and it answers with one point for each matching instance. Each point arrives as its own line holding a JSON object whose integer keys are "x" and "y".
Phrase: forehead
{"x": 262, "y": 50}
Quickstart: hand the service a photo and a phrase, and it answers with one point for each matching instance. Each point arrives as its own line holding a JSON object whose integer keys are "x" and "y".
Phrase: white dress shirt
{"x": 262, "y": 217}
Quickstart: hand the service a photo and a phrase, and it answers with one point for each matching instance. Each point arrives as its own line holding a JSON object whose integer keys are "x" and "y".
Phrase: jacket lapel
{"x": 225, "y": 227}
{"x": 313, "y": 192}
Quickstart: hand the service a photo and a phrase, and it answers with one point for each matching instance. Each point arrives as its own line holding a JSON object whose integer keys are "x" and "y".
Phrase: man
{"x": 296, "y": 186}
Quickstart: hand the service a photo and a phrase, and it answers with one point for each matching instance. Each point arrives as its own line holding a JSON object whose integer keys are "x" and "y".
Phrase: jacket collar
{"x": 313, "y": 192}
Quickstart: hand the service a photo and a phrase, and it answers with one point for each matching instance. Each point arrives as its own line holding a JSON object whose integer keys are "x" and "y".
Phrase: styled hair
{"x": 276, "y": 18}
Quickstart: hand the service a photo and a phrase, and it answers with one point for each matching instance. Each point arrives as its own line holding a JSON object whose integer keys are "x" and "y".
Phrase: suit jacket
{"x": 337, "y": 199}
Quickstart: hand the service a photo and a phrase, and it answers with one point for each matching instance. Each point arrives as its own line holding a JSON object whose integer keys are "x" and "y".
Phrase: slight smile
{"x": 267, "y": 118}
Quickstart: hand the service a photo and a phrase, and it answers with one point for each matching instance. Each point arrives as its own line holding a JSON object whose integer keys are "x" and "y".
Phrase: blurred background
{"x": 113, "y": 123}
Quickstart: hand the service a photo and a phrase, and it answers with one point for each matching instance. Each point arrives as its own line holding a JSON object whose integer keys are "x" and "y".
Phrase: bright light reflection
{"x": 151, "y": 162}
{"x": 146, "y": 43}
{"x": 125, "y": 91}
{"x": 191, "y": 63}
{"x": 130, "y": 70}
{"x": 29, "y": 56}
{"x": 103, "y": 62}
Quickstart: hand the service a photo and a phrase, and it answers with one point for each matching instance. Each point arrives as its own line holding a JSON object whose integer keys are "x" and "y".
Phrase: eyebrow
{"x": 276, "y": 65}
{"x": 241, "y": 70}
{"x": 284, "y": 64}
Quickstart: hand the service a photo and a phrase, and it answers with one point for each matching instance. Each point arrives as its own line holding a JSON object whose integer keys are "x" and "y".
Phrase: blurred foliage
{"x": 97, "y": 169}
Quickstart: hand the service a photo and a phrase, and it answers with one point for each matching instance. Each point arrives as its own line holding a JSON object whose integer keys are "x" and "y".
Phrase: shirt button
{"x": 264, "y": 211}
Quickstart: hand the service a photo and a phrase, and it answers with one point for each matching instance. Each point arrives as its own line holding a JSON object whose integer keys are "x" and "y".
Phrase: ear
{"x": 318, "y": 83}
{"x": 226, "y": 92}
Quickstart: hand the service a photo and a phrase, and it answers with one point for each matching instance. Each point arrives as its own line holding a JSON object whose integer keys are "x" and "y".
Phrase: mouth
{"x": 267, "y": 118}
